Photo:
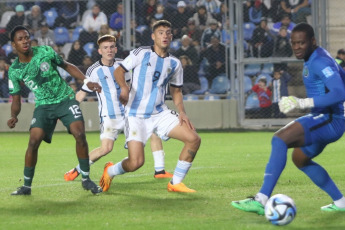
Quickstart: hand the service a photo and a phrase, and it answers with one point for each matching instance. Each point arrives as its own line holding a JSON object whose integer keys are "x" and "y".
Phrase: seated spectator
{"x": 105, "y": 29}
{"x": 180, "y": 18}
{"x": 202, "y": 18}
{"x": 34, "y": 42}
{"x": 264, "y": 95}
{"x": 257, "y": 11}
{"x": 279, "y": 87}
{"x": 187, "y": 49}
{"x": 4, "y": 93}
{"x": 190, "y": 76}
{"x": 68, "y": 12}
{"x": 340, "y": 58}
{"x": 282, "y": 46}
{"x": 215, "y": 55}
{"x": 149, "y": 9}
{"x": 86, "y": 63}
{"x": 194, "y": 33}
{"x": 16, "y": 20}
{"x": 44, "y": 35}
{"x": 34, "y": 19}
{"x": 76, "y": 54}
{"x": 211, "y": 31}
{"x": 116, "y": 19}
{"x": 298, "y": 10}
{"x": 246, "y": 6}
{"x": 212, "y": 6}
{"x": 262, "y": 40}
{"x": 160, "y": 13}
{"x": 146, "y": 39}
{"x": 91, "y": 26}
{"x": 285, "y": 21}
{"x": 223, "y": 16}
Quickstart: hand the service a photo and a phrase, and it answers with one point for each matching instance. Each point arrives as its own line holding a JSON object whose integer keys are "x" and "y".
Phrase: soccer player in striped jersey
{"x": 37, "y": 68}
{"x": 310, "y": 134}
{"x": 146, "y": 113}
{"x": 111, "y": 111}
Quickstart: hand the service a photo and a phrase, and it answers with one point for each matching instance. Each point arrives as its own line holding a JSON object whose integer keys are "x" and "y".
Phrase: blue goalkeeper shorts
{"x": 320, "y": 130}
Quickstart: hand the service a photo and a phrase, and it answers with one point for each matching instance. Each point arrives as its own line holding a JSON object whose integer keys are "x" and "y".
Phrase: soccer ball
{"x": 280, "y": 209}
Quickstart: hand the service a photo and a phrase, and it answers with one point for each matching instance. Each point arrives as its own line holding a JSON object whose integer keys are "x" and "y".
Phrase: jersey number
{"x": 75, "y": 110}
{"x": 156, "y": 76}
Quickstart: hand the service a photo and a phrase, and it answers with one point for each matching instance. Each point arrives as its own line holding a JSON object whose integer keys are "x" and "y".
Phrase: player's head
{"x": 107, "y": 47}
{"x": 20, "y": 39}
{"x": 303, "y": 40}
{"x": 162, "y": 34}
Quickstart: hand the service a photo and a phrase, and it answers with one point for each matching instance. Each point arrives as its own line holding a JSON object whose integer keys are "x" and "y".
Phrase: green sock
{"x": 28, "y": 175}
{"x": 84, "y": 167}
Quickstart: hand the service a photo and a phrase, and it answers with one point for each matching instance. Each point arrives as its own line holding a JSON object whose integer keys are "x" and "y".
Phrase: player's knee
{"x": 195, "y": 141}
{"x": 106, "y": 150}
{"x": 135, "y": 164}
{"x": 34, "y": 143}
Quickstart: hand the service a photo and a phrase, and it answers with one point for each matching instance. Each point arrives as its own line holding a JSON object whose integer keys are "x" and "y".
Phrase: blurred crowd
{"x": 200, "y": 31}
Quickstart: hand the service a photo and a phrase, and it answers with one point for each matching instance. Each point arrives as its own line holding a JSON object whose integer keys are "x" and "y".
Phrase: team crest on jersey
{"x": 169, "y": 70}
{"x": 33, "y": 121}
{"x": 44, "y": 66}
{"x": 305, "y": 71}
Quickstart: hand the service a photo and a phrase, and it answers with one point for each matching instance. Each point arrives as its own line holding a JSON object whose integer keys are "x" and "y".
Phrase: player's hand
{"x": 12, "y": 122}
{"x": 124, "y": 95}
{"x": 286, "y": 104}
{"x": 184, "y": 118}
{"x": 94, "y": 86}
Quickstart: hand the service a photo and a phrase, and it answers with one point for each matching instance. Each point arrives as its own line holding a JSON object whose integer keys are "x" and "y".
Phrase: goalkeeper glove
{"x": 286, "y": 104}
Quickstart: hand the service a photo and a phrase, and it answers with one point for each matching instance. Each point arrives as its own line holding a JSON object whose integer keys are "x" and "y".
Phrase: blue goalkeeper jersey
{"x": 324, "y": 82}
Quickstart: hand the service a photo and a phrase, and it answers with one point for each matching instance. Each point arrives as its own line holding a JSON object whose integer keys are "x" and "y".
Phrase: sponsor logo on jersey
{"x": 327, "y": 71}
{"x": 44, "y": 66}
{"x": 305, "y": 71}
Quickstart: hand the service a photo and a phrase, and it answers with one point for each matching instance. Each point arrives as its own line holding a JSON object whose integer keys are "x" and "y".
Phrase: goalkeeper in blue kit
{"x": 309, "y": 134}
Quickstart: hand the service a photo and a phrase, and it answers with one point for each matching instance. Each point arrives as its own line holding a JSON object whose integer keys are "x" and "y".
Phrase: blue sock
{"x": 275, "y": 165}
{"x": 321, "y": 178}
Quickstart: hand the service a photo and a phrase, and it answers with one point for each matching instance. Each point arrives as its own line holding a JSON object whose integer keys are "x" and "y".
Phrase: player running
{"x": 308, "y": 135}
{"x": 37, "y": 68}
{"x": 111, "y": 111}
{"x": 146, "y": 113}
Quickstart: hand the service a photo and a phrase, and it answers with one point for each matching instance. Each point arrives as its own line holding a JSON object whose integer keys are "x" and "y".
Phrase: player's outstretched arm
{"x": 15, "y": 110}
{"x": 76, "y": 73}
{"x": 177, "y": 97}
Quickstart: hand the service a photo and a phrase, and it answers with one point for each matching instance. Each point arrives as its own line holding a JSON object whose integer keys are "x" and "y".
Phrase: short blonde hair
{"x": 106, "y": 37}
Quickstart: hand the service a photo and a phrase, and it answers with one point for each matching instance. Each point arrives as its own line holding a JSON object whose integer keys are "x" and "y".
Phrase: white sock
{"x": 262, "y": 198}
{"x": 340, "y": 203}
{"x": 180, "y": 172}
{"x": 116, "y": 169}
{"x": 78, "y": 166}
{"x": 158, "y": 158}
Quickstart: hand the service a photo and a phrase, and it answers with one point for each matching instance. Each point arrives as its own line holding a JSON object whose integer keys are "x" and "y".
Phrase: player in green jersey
{"x": 37, "y": 68}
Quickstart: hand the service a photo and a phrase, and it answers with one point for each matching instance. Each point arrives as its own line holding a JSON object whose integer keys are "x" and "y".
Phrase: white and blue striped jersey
{"x": 108, "y": 99}
{"x": 150, "y": 76}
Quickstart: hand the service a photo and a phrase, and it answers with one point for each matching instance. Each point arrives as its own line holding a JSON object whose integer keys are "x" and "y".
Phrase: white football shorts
{"x": 111, "y": 128}
{"x": 141, "y": 129}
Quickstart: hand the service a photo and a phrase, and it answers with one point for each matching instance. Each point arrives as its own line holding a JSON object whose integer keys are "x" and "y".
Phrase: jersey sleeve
{"x": 177, "y": 74}
{"x": 55, "y": 57}
{"x": 13, "y": 82}
{"x": 132, "y": 60}
{"x": 328, "y": 72}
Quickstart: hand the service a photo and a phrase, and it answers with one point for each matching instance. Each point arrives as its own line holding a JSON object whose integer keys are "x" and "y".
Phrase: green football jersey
{"x": 41, "y": 76}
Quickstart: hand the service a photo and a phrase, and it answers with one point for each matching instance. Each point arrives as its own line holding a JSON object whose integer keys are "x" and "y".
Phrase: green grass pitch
{"x": 229, "y": 166}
